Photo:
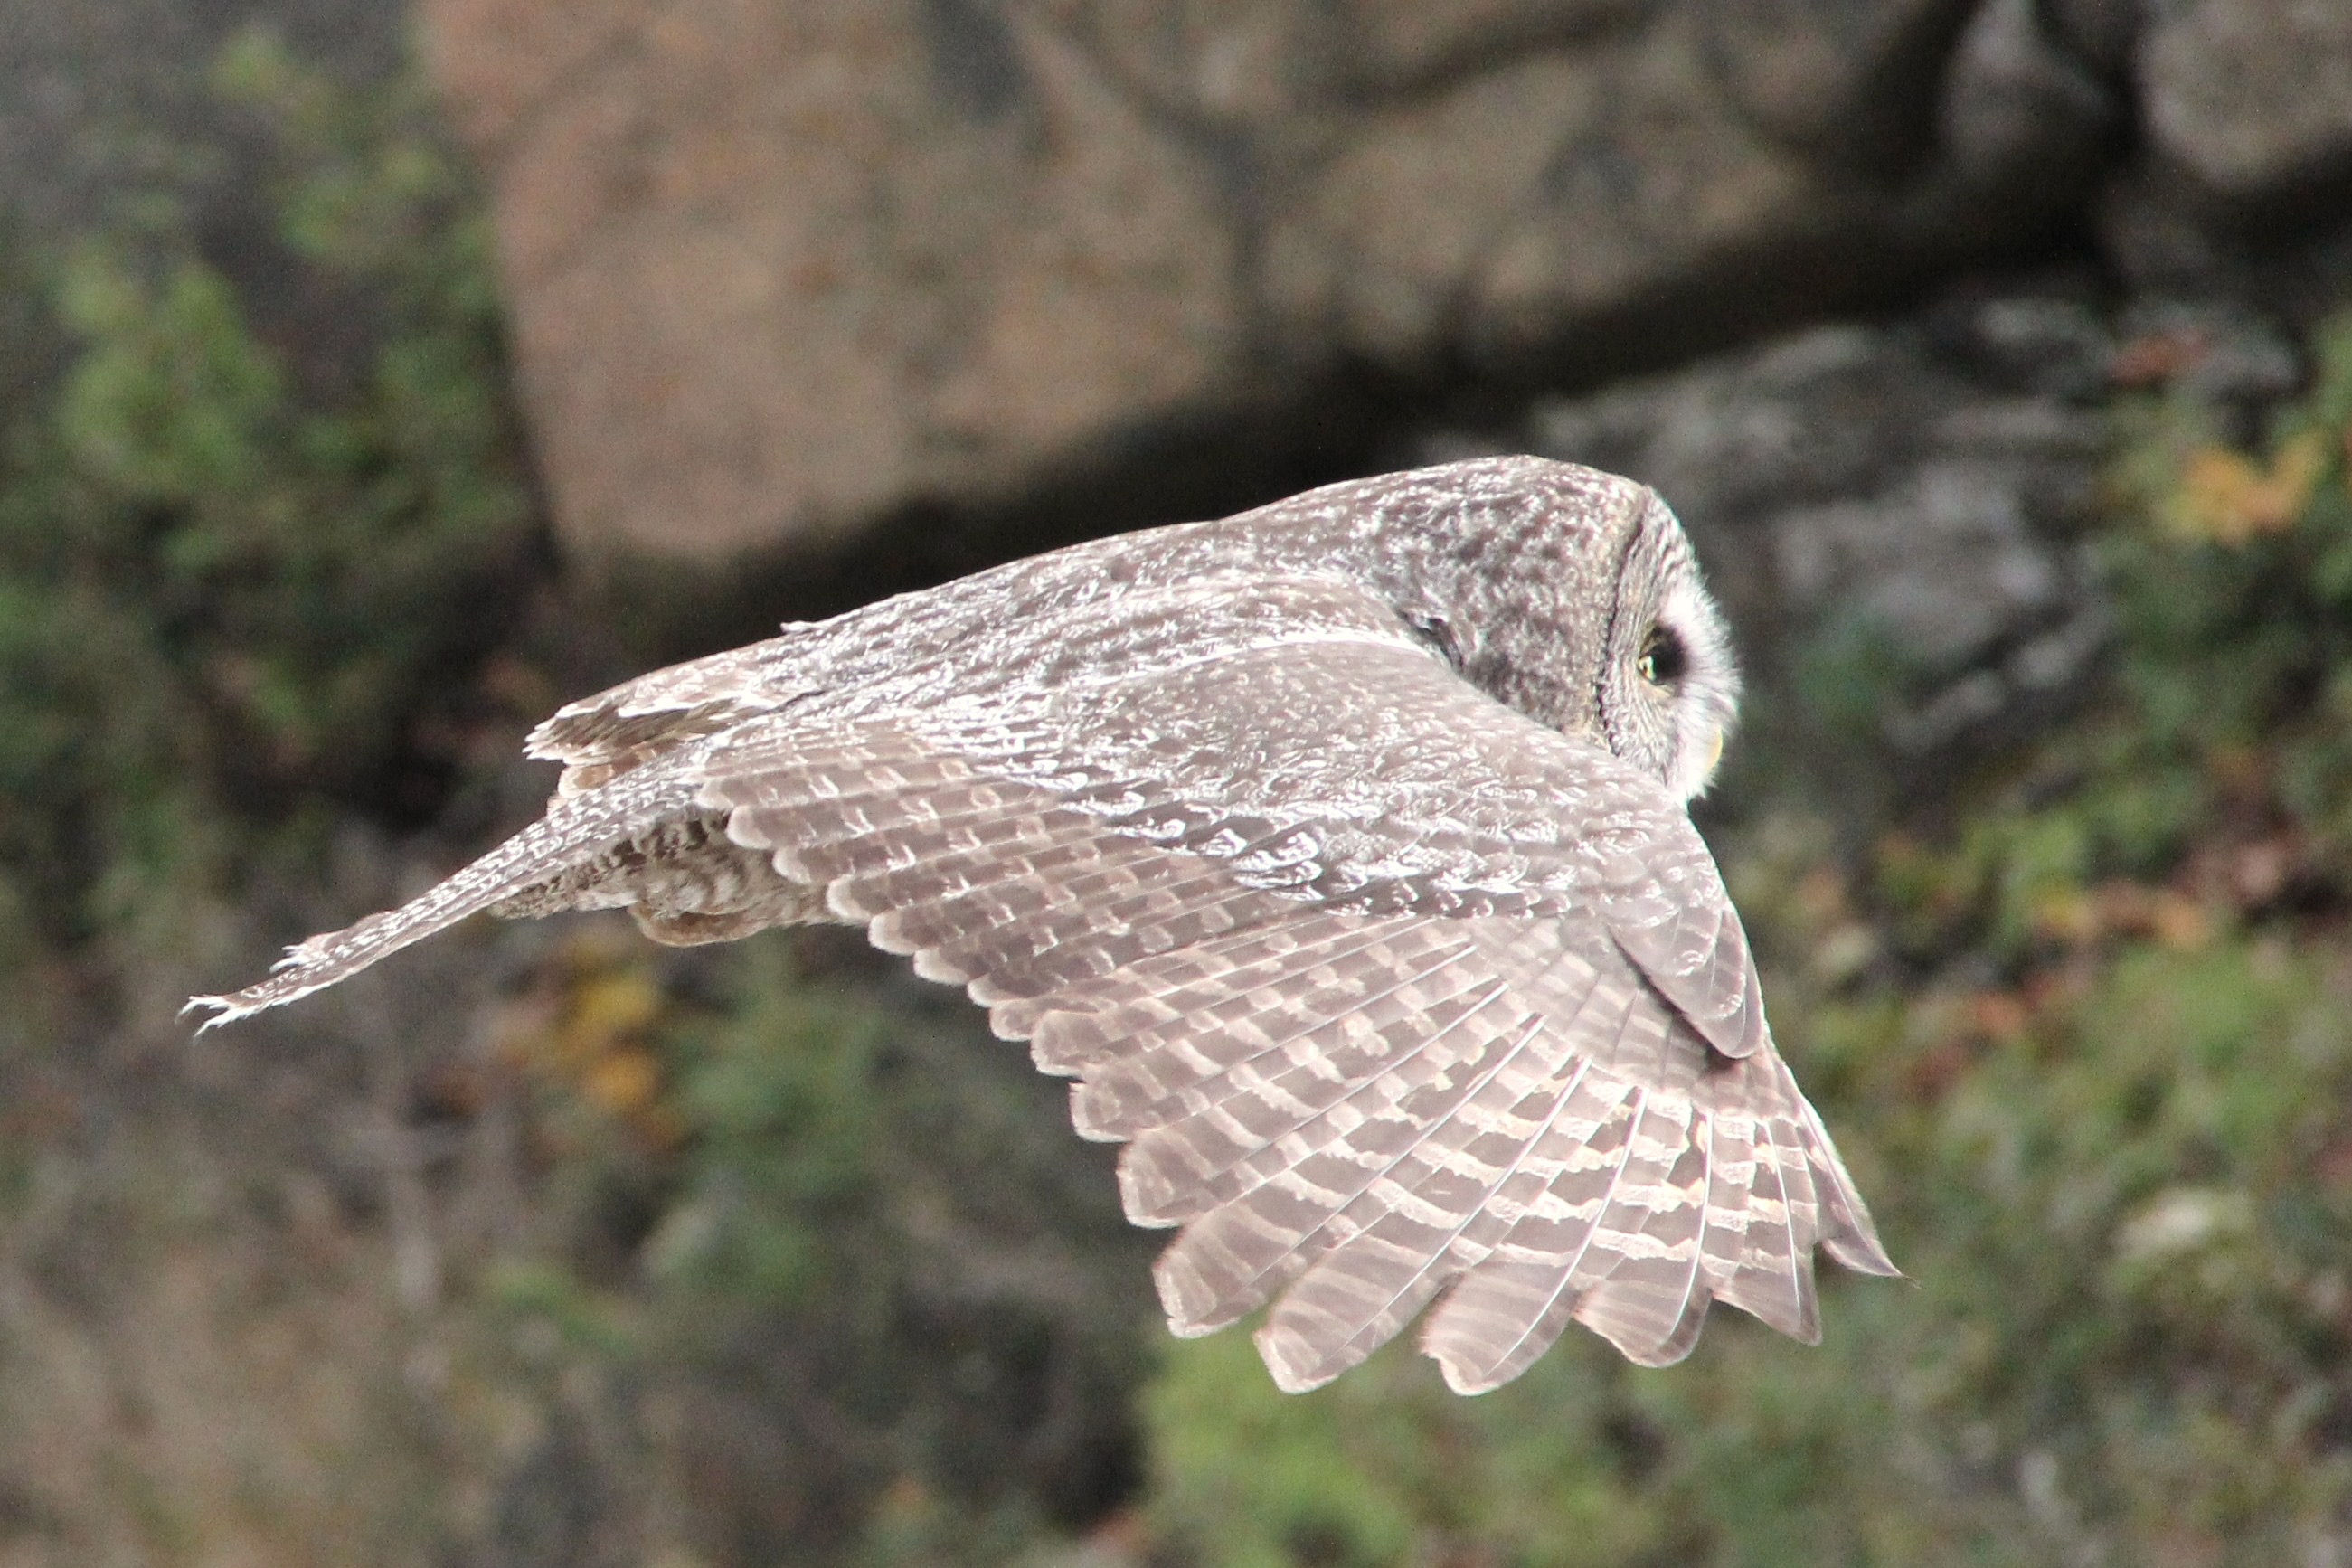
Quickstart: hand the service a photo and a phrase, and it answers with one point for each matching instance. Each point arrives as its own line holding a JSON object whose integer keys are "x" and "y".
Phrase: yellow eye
{"x": 1664, "y": 658}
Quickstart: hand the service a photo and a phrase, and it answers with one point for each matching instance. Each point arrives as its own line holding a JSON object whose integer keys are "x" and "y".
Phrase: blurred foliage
{"x": 2223, "y": 762}
{"x": 850, "y": 1239}
{"x": 821, "y": 1268}
{"x": 2084, "y": 1033}
{"x": 235, "y": 595}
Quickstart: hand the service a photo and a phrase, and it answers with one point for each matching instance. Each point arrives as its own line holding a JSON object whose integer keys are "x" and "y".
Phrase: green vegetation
{"x": 853, "y": 1224}
{"x": 233, "y": 597}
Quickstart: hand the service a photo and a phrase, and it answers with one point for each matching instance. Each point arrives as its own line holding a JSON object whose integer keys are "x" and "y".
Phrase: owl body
{"x": 1337, "y": 851}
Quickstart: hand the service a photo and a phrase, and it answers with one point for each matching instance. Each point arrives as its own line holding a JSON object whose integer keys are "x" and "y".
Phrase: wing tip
{"x": 1459, "y": 1378}
{"x": 1479, "y": 1348}
{"x": 1651, "y": 1348}
{"x": 1093, "y": 1120}
{"x": 1469, "y": 1375}
{"x": 1293, "y": 1360}
{"x": 1862, "y": 1251}
{"x": 287, "y": 982}
{"x": 1145, "y": 1201}
{"x": 1191, "y": 1313}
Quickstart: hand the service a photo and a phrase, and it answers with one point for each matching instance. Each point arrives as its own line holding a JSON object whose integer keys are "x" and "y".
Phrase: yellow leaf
{"x": 2228, "y": 498}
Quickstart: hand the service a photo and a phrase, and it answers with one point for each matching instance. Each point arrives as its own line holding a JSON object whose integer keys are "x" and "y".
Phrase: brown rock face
{"x": 778, "y": 268}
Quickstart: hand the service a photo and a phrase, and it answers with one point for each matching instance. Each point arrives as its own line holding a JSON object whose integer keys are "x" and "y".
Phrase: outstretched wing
{"x": 1392, "y": 993}
{"x": 1389, "y": 990}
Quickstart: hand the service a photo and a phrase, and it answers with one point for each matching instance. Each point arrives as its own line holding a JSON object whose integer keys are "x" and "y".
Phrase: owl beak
{"x": 1715, "y": 753}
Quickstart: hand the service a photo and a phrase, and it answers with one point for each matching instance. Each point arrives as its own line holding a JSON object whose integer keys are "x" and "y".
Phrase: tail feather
{"x": 574, "y": 829}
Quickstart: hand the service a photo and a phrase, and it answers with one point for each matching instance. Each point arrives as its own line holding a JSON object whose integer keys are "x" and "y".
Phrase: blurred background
{"x": 374, "y": 378}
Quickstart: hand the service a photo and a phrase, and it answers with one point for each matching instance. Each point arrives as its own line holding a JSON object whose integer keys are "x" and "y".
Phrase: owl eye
{"x": 1664, "y": 657}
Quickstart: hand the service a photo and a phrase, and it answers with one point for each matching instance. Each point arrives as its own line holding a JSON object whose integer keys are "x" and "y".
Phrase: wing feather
{"x": 1264, "y": 1216}
{"x": 1395, "y": 996}
{"x": 1778, "y": 1250}
{"x": 1408, "y": 1240}
{"x": 1508, "y": 1311}
{"x": 1854, "y": 1239}
{"x": 1356, "y": 1087}
{"x": 1649, "y": 1239}
{"x": 575, "y": 828}
{"x": 1174, "y": 1069}
{"x": 1168, "y": 986}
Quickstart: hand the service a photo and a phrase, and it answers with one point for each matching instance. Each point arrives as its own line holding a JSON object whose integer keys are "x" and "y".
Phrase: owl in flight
{"x": 1339, "y": 852}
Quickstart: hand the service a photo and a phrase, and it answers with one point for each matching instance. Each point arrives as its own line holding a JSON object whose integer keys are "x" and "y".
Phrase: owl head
{"x": 1572, "y": 596}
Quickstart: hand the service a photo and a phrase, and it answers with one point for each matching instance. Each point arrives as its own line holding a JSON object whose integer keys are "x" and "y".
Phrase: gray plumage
{"x": 1339, "y": 851}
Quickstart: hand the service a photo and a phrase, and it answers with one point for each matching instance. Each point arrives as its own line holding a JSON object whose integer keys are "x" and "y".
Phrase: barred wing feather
{"x": 1401, "y": 1002}
{"x": 1376, "y": 1034}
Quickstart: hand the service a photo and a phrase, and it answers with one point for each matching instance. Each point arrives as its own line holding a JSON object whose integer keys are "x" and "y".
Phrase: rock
{"x": 1487, "y": 218}
{"x": 780, "y": 273}
{"x": 2035, "y": 344}
{"x": 2222, "y": 355}
{"x": 2021, "y": 112}
{"x": 1914, "y": 487}
{"x": 2100, "y": 33}
{"x": 2254, "y": 96}
{"x": 777, "y": 269}
{"x": 1839, "y": 77}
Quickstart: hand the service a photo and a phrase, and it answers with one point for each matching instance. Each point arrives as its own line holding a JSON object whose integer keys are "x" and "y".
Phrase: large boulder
{"x": 779, "y": 269}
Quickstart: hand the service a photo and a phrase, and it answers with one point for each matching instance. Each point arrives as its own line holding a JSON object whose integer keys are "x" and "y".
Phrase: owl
{"x": 1339, "y": 853}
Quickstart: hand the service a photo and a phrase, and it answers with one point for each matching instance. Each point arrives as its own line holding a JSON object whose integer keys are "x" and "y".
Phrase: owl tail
{"x": 574, "y": 829}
